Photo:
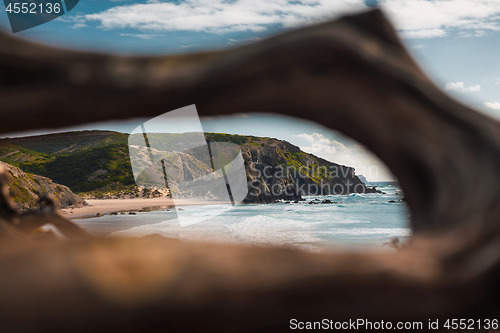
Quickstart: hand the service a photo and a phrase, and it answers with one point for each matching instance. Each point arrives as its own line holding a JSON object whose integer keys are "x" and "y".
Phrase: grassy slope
{"x": 67, "y": 143}
{"x": 71, "y": 158}
{"x": 16, "y": 155}
{"x": 74, "y": 170}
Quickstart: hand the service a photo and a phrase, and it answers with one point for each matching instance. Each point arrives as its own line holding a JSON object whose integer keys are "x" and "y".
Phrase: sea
{"x": 353, "y": 221}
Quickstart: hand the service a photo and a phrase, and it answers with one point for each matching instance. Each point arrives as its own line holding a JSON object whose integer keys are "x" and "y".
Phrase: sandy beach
{"x": 107, "y": 206}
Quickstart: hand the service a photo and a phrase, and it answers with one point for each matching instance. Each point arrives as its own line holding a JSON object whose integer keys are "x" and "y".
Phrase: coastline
{"x": 112, "y": 205}
{"x": 108, "y": 206}
{"x": 350, "y": 224}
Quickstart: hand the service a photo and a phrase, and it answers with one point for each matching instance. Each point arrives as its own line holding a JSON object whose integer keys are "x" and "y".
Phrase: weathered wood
{"x": 351, "y": 75}
{"x": 130, "y": 284}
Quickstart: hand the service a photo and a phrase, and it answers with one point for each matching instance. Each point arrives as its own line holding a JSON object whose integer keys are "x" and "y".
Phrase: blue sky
{"x": 457, "y": 42}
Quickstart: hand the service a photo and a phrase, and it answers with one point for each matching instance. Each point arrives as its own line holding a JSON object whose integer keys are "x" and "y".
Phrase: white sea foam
{"x": 359, "y": 220}
{"x": 389, "y": 232}
{"x": 278, "y": 231}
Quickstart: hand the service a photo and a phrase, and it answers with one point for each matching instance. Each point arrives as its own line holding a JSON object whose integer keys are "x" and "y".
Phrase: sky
{"x": 456, "y": 42}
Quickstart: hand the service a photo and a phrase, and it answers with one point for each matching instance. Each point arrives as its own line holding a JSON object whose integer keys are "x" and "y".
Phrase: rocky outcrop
{"x": 278, "y": 170}
{"x": 131, "y": 193}
{"x": 26, "y": 189}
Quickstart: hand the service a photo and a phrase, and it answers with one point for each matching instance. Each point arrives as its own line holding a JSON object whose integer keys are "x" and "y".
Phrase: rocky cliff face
{"x": 274, "y": 169}
{"x": 278, "y": 170}
{"x": 26, "y": 189}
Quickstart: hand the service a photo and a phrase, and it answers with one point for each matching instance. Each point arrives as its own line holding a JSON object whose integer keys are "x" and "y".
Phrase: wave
{"x": 355, "y": 222}
{"x": 388, "y": 232}
{"x": 277, "y": 231}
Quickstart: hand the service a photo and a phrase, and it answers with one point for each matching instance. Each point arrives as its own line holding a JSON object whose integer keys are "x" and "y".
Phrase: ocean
{"x": 355, "y": 221}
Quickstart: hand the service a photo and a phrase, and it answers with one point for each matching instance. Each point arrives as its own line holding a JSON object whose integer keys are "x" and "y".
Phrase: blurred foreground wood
{"x": 351, "y": 75}
{"x": 124, "y": 285}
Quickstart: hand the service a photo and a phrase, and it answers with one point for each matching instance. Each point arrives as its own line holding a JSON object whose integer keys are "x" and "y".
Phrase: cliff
{"x": 26, "y": 189}
{"x": 97, "y": 164}
{"x": 279, "y": 170}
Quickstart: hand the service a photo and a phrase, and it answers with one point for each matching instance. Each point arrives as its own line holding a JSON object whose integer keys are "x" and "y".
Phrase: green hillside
{"x": 80, "y": 170}
{"x": 75, "y": 159}
{"x": 16, "y": 155}
{"x": 67, "y": 143}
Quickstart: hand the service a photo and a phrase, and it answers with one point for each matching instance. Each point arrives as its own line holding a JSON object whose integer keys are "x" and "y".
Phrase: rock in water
{"x": 281, "y": 171}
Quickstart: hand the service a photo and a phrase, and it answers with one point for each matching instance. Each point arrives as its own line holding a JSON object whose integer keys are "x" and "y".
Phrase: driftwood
{"x": 352, "y": 75}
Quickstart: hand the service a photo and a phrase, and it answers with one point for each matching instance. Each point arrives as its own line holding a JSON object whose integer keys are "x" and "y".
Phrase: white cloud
{"x": 476, "y": 33}
{"x": 320, "y": 145}
{"x": 142, "y": 36}
{"x": 459, "y": 86}
{"x": 78, "y": 25}
{"x": 63, "y": 19}
{"x": 221, "y": 16}
{"x": 418, "y": 46}
{"x": 494, "y": 106}
{"x": 435, "y": 18}
{"x": 497, "y": 81}
{"x": 423, "y": 33}
{"x": 347, "y": 152}
{"x": 190, "y": 45}
{"x": 242, "y": 41}
{"x": 77, "y": 20}
{"x": 413, "y": 18}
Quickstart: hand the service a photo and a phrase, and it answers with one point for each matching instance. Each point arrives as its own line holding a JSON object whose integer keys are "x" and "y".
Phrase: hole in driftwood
{"x": 309, "y": 187}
